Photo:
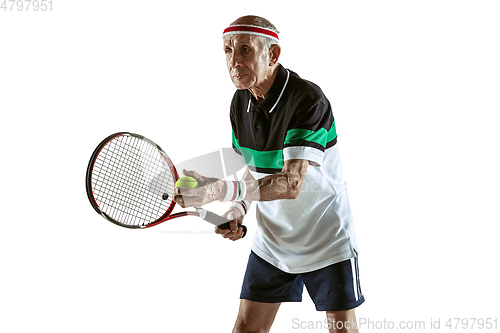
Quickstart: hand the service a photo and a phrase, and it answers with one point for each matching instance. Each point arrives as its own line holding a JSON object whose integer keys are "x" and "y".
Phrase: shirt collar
{"x": 274, "y": 95}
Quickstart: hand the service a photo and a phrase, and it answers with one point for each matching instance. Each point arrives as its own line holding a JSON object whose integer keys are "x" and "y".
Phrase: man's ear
{"x": 274, "y": 54}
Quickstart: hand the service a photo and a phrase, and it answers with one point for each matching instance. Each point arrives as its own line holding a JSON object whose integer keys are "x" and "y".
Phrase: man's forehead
{"x": 239, "y": 38}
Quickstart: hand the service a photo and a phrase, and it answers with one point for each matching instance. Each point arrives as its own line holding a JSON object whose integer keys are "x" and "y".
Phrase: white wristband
{"x": 243, "y": 190}
{"x": 235, "y": 190}
{"x": 229, "y": 190}
{"x": 242, "y": 206}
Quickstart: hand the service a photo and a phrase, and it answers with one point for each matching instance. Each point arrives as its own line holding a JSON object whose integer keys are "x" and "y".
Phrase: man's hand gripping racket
{"x": 130, "y": 181}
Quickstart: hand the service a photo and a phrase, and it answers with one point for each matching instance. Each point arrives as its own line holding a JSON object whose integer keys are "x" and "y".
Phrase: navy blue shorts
{"x": 333, "y": 288}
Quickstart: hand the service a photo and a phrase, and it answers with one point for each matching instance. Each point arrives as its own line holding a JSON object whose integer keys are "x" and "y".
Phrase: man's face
{"x": 247, "y": 62}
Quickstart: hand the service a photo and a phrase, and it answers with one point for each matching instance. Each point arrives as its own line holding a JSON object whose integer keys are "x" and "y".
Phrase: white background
{"x": 415, "y": 90}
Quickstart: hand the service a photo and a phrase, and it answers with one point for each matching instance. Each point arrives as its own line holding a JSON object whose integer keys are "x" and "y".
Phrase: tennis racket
{"x": 130, "y": 181}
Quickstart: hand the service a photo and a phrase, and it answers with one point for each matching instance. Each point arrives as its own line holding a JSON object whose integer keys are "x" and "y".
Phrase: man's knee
{"x": 342, "y": 321}
{"x": 243, "y": 326}
{"x": 255, "y": 317}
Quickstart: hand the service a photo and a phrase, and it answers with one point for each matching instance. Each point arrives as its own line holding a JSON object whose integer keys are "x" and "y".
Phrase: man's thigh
{"x": 267, "y": 284}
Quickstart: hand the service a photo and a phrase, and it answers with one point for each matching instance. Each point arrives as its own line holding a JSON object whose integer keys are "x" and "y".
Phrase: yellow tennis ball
{"x": 186, "y": 182}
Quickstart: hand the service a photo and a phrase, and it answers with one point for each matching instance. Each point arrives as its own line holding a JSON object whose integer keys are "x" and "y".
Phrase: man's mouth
{"x": 238, "y": 76}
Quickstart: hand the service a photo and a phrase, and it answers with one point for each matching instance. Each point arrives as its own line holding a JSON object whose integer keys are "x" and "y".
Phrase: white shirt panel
{"x": 315, "y": 229}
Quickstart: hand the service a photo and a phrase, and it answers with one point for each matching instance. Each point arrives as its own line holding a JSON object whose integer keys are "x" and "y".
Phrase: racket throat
{"x": 202, "y": 212}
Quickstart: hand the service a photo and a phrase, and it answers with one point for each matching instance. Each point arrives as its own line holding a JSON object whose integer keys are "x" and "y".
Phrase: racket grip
{"x": 226, "y": 226}
{"x": 218, "y": 220}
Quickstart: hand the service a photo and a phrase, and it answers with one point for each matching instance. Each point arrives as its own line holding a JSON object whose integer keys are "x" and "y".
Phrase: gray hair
{"x": 266, "y": 42}
{"x": 260, "y": 22}
{"x": 263, "y": 23}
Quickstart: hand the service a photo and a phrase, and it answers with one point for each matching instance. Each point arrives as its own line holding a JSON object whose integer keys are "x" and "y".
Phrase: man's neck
{"x": 260, "y": 91}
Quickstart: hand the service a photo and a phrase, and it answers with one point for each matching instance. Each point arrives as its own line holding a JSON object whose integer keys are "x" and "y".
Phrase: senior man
{"x": 284, "y": 129}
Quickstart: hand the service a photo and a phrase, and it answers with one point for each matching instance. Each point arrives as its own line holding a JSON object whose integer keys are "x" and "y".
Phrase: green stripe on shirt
{"x": 272, "y": 159}
{"x": 321, "y": 136}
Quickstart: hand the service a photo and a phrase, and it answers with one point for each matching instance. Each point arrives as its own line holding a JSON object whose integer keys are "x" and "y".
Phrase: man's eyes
{"x": 243, "y": 49}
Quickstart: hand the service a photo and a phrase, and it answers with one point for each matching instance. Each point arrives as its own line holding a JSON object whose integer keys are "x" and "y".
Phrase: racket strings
{"x": 129, "y": 178}
{"x": 138, "y": 184}
{"x": 115, "y": 174}
{"x": 130, "y": 185}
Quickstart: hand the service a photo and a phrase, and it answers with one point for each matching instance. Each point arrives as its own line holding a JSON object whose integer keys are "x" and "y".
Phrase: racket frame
{"x": 90, "y": 194}
{"x": 200, "y": 212}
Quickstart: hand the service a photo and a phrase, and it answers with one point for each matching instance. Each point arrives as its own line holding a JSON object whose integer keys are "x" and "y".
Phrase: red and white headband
{"x": 250, "y": 30}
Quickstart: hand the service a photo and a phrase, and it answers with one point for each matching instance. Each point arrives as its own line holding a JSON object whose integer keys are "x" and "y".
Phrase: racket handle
{"x": 226, "y": 226}
{"x": 218, "y": 220}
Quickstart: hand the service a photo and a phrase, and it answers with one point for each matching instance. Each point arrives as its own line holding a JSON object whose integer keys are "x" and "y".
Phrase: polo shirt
{"x": 295, "y": 121}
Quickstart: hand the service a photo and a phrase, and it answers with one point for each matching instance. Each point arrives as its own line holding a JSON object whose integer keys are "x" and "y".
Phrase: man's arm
{"x": 283, "y": 185}
{"x": 235, "y": 216}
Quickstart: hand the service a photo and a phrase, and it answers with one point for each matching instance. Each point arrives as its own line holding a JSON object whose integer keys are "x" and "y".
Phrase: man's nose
{"x": 235, "y": 60}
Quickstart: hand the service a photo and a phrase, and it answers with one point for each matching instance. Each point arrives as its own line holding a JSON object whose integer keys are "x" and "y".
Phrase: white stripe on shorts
{"x": 355, "y": 277}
